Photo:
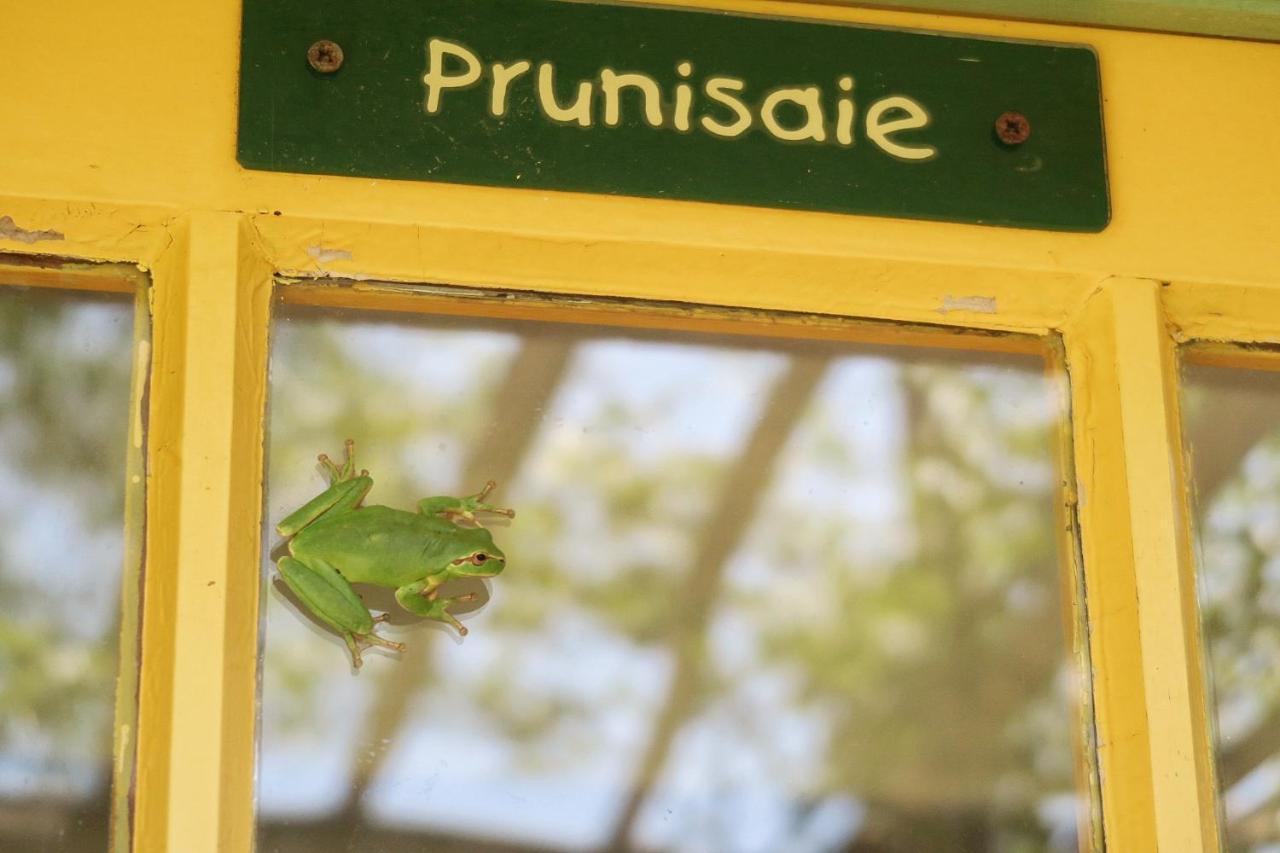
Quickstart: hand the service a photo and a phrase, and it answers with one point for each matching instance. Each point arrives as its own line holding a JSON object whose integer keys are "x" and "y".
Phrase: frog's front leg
{"x": 456, "y": 508}
{"x": 326, "y": 593}
{"x": 420, "y": 598}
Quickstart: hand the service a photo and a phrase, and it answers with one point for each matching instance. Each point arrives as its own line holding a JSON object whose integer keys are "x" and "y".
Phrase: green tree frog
{"x": 334, "y": 541}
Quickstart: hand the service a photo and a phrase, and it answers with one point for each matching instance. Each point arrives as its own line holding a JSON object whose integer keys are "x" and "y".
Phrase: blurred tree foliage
{"x": 65, "y": 363}
{"x": 944, "y": 674}
{"x": 1238, "y": 545}
{"x": 940, "y": 677}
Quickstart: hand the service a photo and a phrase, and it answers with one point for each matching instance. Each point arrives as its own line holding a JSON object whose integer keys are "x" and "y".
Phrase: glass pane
{"x": 1233, "y": 429}
{"x": 762, "y": 596}
{"x": 65, "y": 363}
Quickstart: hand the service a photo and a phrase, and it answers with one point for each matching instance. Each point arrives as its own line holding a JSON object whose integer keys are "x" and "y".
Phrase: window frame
{"x": 211, "y": 291}
{"x": 18, "y": 272}
{"x": 212, "y": 264}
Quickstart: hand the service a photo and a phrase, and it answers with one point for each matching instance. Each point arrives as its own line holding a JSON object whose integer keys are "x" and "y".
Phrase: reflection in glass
{"x": 761, "y": 596}
{"x": 1233, "y": 430}
{"x": 64, "y": 401}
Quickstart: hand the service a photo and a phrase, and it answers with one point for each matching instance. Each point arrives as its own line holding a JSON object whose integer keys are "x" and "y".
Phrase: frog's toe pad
{"x": 374, "y": 640}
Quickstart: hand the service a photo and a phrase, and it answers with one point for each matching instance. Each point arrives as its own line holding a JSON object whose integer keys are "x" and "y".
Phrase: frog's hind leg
{"x": 328, "y": 595}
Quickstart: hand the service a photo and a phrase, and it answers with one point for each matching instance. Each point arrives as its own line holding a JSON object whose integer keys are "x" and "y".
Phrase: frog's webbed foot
{"x": 465, "y": 509}
{"x": 374, "y": 640}
{"x": 353, "y": 642}
{"x": 477, "y": 503}
{"x": 327, "y": 595}
{"x": 440, "y": 612}
{"x": 484, "y": 493}
{"x": 421, "y": 599}
{"x": 347, "y": 470}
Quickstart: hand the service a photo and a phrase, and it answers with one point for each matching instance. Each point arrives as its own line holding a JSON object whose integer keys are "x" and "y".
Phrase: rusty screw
{"x": 1013, "y": 128}
{"x": 325, "y": 56}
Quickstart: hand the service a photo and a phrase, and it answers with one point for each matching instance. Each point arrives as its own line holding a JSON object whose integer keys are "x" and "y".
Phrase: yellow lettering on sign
{"x": 808, "y": 98}
{"x": 684, "y": 98}
{"x": 579, "y": 110}
{"x": 503, "y": 77}
{"x": 718, "y": 89}
{"x": 845, "y": 112}
{"x": 788, "y": 113}
{"x": 612, "y": 84}
{"x": 436, "y": 78}
{"x": 878, "y": 129}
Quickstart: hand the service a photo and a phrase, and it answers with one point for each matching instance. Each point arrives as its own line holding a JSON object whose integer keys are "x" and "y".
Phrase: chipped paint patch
{"x": 122, "y": 755}
{"x": 976, "y": 304}
{"x": 321, "y": 255}
{"x": 9, "y": 230}
{"x": 141, "y": 363}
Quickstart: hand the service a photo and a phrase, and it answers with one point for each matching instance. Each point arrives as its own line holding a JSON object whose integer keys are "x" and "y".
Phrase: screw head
{"x": 325, "y": 56}
{"x": 1013, "y": 128}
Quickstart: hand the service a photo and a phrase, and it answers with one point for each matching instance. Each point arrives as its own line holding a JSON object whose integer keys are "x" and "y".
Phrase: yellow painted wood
{"x": 199, "y": 700}
{"x": 115, "y": 278}
{"x": 763, "y": 275}
{"x": 468, "y": 302}
{"x": 1225, "y": 312}
{"x": 1219, "y": 354}
{"x": 1074, "y": 609}
{"x": 140, "y": 110}
{"x": 100, "y": 278}
{"x": 132, "y": 577}
{"x": 164, "y": 485}
{"x": 47, "y": 231}
{"x": 1148, "y": 689}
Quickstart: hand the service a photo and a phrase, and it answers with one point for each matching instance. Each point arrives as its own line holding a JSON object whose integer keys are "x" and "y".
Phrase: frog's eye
{"x": 479, "y": 558}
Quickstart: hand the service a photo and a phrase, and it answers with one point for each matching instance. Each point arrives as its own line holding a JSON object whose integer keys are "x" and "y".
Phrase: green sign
{"x": 669, "y": 103}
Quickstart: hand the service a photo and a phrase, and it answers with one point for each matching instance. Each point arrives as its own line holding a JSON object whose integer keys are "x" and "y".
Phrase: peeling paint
{"x": 9, "y": 230}
{"x": 324, "y": 256}
{"x": 122, "y": 755}
{"x": 976, "y": 304}
{"x": 142, "y": 361}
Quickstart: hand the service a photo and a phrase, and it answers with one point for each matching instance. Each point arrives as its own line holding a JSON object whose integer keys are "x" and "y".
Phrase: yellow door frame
{"x": 125, "y": 154}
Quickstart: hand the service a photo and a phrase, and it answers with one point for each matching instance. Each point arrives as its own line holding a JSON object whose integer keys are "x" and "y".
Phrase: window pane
{"x": 65, "y": 364}
{"x": 762, "y": 596}
{"x": 1233, "y": 429}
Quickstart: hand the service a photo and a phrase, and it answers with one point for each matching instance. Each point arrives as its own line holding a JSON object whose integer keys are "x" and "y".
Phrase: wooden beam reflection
{"x": 532, "y": 381}
{"x": 739, "y": 499}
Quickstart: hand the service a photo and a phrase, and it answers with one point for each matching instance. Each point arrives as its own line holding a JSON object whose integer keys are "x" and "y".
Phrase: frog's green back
{"x": 387, "y": 547}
